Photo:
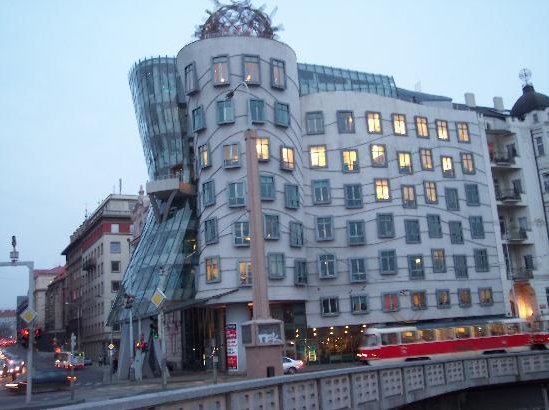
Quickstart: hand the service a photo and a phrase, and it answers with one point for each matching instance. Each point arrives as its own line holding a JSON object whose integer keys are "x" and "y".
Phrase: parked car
{"x": 42, "y": 380}
{"x": 87, "y": 362}
{"x": 291, "y": 366}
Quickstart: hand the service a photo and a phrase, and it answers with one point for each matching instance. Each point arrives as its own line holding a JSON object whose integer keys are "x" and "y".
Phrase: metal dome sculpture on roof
{"x": 530, "y": 100}
{"x": 237, "y": 19}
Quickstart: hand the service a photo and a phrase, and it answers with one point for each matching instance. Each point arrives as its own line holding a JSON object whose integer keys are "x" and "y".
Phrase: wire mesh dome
{"x": 237, "y": 19}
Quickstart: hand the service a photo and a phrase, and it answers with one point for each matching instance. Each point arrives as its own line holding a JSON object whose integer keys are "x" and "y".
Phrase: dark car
{"x": 42, "y": 380}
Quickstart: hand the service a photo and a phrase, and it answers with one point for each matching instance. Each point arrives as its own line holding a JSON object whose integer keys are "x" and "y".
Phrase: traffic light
{"x": 154, "y": 327}
{"x": 24, "y": 337}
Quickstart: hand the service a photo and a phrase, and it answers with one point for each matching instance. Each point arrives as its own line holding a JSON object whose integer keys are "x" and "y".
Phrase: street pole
{"x": 163, "y": 359}
{"x": 131, "y": 342}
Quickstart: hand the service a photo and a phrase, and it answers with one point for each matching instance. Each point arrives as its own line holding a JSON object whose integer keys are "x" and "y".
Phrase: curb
{"x": 46, "y": 404}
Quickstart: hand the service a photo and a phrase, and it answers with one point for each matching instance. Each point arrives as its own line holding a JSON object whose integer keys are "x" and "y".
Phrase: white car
{"x": 291, "y": 366}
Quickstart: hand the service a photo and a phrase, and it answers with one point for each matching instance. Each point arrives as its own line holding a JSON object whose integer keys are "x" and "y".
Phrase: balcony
{"x": 500, "y": 158}
{"x": 521, "y": 274}
{"x": 515, "y": 235}
{"x": 508, "y": 196}
{"x": 89, "y": 264}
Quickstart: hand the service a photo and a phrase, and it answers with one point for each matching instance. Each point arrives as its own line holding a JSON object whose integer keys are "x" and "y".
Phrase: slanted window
{"x": 291, "y": 196}
{"x": 460, "y": 266}
{"x": 430, "y": 188}
{"x": 416, "y": 267}
{"x": 378, "y": 154}
{"x": 241, "y": 233}
{"x": 439, "y": 260}
{"x": 349, "y": 159}
{"x": 405, "y": 163}
{"x": 399, "y": 124}
{"x": 276, "y": 266}
{"x": 262, "y": 146}
{"x": 278, "y": 74}
{"x": 448, "y": 170}
{"x": 471, "y": 195}
{"x": 208, "y": 193}
{"x": 357, "y": 269}
{"x": 409, "y": 196}
{"x": 467, "y": 163}
{"x": 245, "y": 273}
{"x": 353, "y": 195}
{"x": 287, "y": 159}
{"x": 191, "y": 82}
{"x": 390, "y": 302}
{"x": 251, "y": 73}
{"x": 257, "y": 110}
{"x": 300, "y": 272}
{"x": 324, "y": 228}
{"x": 314, "y": 122}
{"x": 422, "y": 127}
{"x": 345, "y": 122}
{"x": 411, "y": 227}
{"x": 443, "y": 298}
{"x": 356, "y": 233}
{"x": 225, "y": 112}
{"x": 210, "y": 231}
{"x": 282, "y": 114}
{"x": 220, "y": 70}
{"x": 540, "y": 147}
{"x": 456, "y": 232}
{"x": 359, "y": 304}
{"x": 463, "y": 132}
{"x": 383, "y": 192}
{"x": 481, "y": 260}
{"x": 318, "y": 156}
{"x": 418, "y": 300}
{"x": 267, "y": 187}
{"x": 426, "y": 156}
{"x": 213, "y": 270}
{"x": 204, "y": 156}
{"x": 296, "y": 234}
{"x": 477, "y": 227}
{"x": 452, "y": 199}
{"x": 231, "y": 156}
{"x": 387, "y": 261}
{"x": 327, "y": 266}
{"x": 434, "y": 226}
{"x": 385, "y": 226}
{"x": 374, "y": 122}
{"x": 329, "y": 306}
{"x": 199, "y": 122}
{"x": 442, "y": 129}
{"x": 464, "y": 297}
{"x": 236, "y": 194}
{"x": 321, "y": 191}
{"x": 485, "y": 296}
{"x": 271, "y": 226}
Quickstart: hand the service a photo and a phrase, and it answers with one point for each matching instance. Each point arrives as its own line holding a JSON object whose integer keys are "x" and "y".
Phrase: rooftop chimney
{"x": 470, "y": 100}
{"x": 498, "y": 103}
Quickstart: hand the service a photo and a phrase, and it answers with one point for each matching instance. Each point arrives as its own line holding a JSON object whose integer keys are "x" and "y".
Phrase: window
{"x": 287, "y": 160}
{"x": 282, "y": 114}
{"x": 422, "y": 128}
{"x": 272, "y": 230}
{"x": 213, "y": 272}
{"x": 220, "y": 70}
{"x": 278, "y": 74}
{"x": 374, "y": 122}
{"x": 291, "y": 196}
{"x": 390, "y": 302}
{"x": 426, "y": 156}
{"x": 353, "y": 196}
{"x": 460, "y": 266}
{"x": 300, "y": 272}
{"x": 191, "y": 83}
{"x": 350, "y": 160}
{"x": 357, "y": 269}
{"x": 443, "y": 298}
{"x": 267, "y": 187}
{"x": 408, "y": 196}
{"x": 115, "y": 247}
{"x": 251, "y": 72}
{"x": 210, "y": 231}
{"x": 411, "y": 226}
{"x": 539, "y": 146}
{"x": 204, "y": 156}
{"x": 241, "y": 234}
{"x": 439, "y": 260}
{"x": 471, "y": 195}
{"x": 115, "y": 266}
{"x": 115, "y": 286}
{"x": 359, "y": 304}
{"x": 485, "y": 296}
{"x": 208, "y": 193}
{"x": 456, "y": 232}
{"x": 115, "y": 228}
{"x": 447, "y": 167}
{"x": 387, "y": 261}
{"x": 231, "y": 155}
{"x": 275, "y": 265}
{"x": 464, "y": 297}
{"x": 198, "y": 119}
{"x": 546, "y": 182}
{"x": 385, "y": 226}
{"x": 318, "y": 156}
{"x": 345, "y": 122}
{"x": 382, "y": 190}
{"x": 245, "y": 273}
{"x": 434, "y": 226}
{"x": 236, "y": 194}
{"x": 329, "y": 306}
{"x": 324, "y": 228}
{"x": 415, "y": 267}
{"x": 481, "y": 260}
{"x": 405, "y": 163}
{"x": 418, "y": 299}
{"x": 529, "y": 262}
{"x": 327, "y": 266}
{"x": 321, "y": 191}
{"x": 296, "y": 234}
{"x": 356, "y": 233}
{"x": 399, "y": 124}
{"x": 477, "y": 227}
{"x": 262, "y": 146}
{"x": 225, "y": 112}
{"x": 378, "y": 154}
{"x": 452, "y": 200}
{"x": 430, "y": 188}
{"x": 314, "y": 122}
{"x": 257, "y": 110}
{"x": 467, "y": 163}
{"x": 442, "y": 129}
{"x": 463, "y": 132}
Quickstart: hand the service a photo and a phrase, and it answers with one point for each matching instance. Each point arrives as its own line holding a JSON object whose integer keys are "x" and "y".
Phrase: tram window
{"x": 480, "y": 331}
{"x": 370, "y": 340}
{"x": 427, "y": 335}
{"x": 512, "y": 328}
{"x": 408, "y": 337}
{"x": 497, "y": 329}
{"x": 446, "y": 334}
{"x": 463, "y": 332}
{"x": 389, "y": 339}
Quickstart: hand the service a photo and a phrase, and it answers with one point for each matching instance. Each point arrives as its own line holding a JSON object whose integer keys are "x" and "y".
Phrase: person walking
{"x": 100, "y": 359}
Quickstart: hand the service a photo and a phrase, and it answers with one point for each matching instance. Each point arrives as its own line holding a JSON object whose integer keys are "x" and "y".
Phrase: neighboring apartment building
{"x": 7, "y": 323}
{"x": 42, "y": 279}
{"x": 55, "y": 323}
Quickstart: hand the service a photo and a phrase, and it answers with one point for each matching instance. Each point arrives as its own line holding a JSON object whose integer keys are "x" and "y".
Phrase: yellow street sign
{"x": 110, "y": 346}
{"x": 158, "y": 297}
{"x": 28, "y": 315}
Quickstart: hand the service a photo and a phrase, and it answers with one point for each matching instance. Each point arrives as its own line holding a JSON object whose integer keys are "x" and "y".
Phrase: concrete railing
{"x": 365, "y": 387}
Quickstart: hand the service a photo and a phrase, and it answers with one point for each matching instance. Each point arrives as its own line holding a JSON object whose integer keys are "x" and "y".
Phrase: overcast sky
{"x": 67, "y": 124}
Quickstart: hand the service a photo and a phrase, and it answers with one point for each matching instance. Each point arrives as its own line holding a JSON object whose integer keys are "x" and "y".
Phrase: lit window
{"x": 278, "y": 74}
{"x": 464, "y": 297}
{"x": 485, "y": 296}
{"x": 262, "y": 145}
{"x": 204, "y": 156}
{"x": 390, "y": 302}
{"x": 213, "y": 273}
{"x": 220, "y": 70}
{"x": 481, "y": 260}
{"x": 210, "y": 231}
{"x": 300, "y": 272}
{"x": 430, "y": 188}
{"x": 353, "y": 195}
{"x": 409, "y": 196}
{"x": 291, "y": 196}
{"x": 443, "y": 298}
{"x": 257, "y": 111}
{"x": 382, "y": 190}
{"x": 426, "y": 156}
{"x": 271, "y": 227}
{"x": 463, "y": 132}
{"x": 399, "y": 124}
{"x": 324, "y": 228}
{"x": 241, "y": 234}
{"x": 267, "y": 187}
{"x": 345, "y": 122}
{"x": 379, "y": 157}
{"x": 357, "y": 269}
{"x": 251, "y": 69}
{"x": 350, "y": 160}
{"x": 422, "y": 129}
{"x": 460, "y": 266}
{"x": 231, "y": 156}
{"x": 439, "y": 260}
{"x": 359, "y": 304}
{"x": 282, "y": 114}
{"x": 404, "y": 162}
{"x": 385, "y": 226}
{"x": 314, "y": 122}
{"x": 208, "y": 193}
{"x": 387, "y": 262}
{"x": 456, "y": 232}
{"x": 477, "y": 227}
{"x": 287, "y": 158}
{"x": 467, "y": 163}
{"x": 321, "y": 191}
{"x": 447, "y": 167}
{"x": 318, "y": 156}
{"x": 327, "y": 266}
{"x": 374, "y": 122}
{"x": 452, "y": 199}
{"x": 225, "y": 112}
{"x": 411, "y": 228}
{"x": 276, "y": 266}
{"x": 419, "y": 300}
{"x": 356, "y": 234}
{"x": 442, "y": 129}
{"x": 198, "y": 119}
{"x": 329, "y": 306}
{"x": 296, "y": 234}
{"x": 236, "y": 194}
{"x": 191, "y": 83}
{"x": 245, "y": 273}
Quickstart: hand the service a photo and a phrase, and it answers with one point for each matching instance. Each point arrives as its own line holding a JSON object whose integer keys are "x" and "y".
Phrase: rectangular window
{"x": 236, "y": 194}
{"x": 464, "y": 296}
{"x": 452, "y": 199}
{"x": 481, "y": 260}
{"x": 471, "y": 195}
{"x": 378, "y": 155}
{"x": 271, "y": 225}
{"x": 411, "y": 226}
{"x": 327, "y": 266}
{"x": 477, "y": 227}
{"x": 300, "y": 272}
{"x": 251, "y": 73}
{"x": 399, "y": 124}
{"x": 418, "y": 300}
{"x": 385, "y": 226}
{"x": 374, "y": 122}
{"x": 456, "y": 232}
{"x": 405, "y": 163}
{"x": 115, "y": 266}
{"x": 204, "y": 156}
{"x": 434, "y": 226}
{"x": 278, "y": 74}
{"x": 245, "y": 273}
{"x": 387, "y": 262}
{"x": 442, "y": 129}
{"x": 241, "y": 234}
{"x": 528, "y": 262}
{"x": 191, "y": 83}
{"x": 115, "y": 228}
{"x": 357, "y": 269}
{"x": 430, "y": 188}
{"x": 359, "y": 304}
{"x": 426, "y": 156}
{"x": 345, "y": 122}
{"x": 287, "y": 159}
{"x": 231, "y": 155}
{"x": 408, "y": 196}
{"x": 349, "y": 160}
{"x": 220, "y": 70}
{"x": 225, "y": 112}
{"x": 443, "y": 298}
{"x": 324, "y": 228}
{"x": 422, "y": 127}
{"x": 390, "y": 302}
{"x": 198, "y": 119}
{"x": 282, "y": 114}
{"x": 291, "y": 196}
{"x": 115, "y": 286}
{"x": 467, "y": 163}
{"x": 275, "y": 265}
{"x": 416, "y": 267}
{"x": 439, "y": 260}
{"x": 485, "y": 296}
{"x": 321, "y": 191}
{"x": 213, "y": 271}
{"x": 318, "y": 156}
{"x": 267, "y": 187}
{"x": 329, "y": 306}
{"x": 208, "y": 193}
{"x": 383, "y": 192}
{"x": 460, "y": 267}
{"x": 356, "y": 233}
{"x": 463, "y": 132}
{"x": 353, "y": 196}
{"x": 116, "y": 247}
{"x": 539, "y": 146}
{"x": 210, "y": 231}
{"x": 262, "y": 146}
{"x": 257, "y": 110}
{"x": 314, "y": 122}
{"x": 448, "y": 170}
{"x": 296, "y": 234}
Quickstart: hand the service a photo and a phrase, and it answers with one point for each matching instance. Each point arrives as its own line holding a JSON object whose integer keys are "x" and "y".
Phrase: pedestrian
{"x": 100, "y": 359}
{"x": 115, "y": 365}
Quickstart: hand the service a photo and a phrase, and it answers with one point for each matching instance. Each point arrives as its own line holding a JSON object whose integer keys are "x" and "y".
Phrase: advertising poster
{"x": 232, "y": 346}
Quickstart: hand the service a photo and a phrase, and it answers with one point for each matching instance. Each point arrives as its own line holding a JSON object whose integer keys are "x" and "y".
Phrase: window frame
{"x": 480, "y": 298}
{"x": 408, "y": 225}
{"x": 451, "y": 197}
{"x": 389, "y": 258}
{"x": 460, "y": 134}
{"x": 320, "y": 147}
{"x": 328, "y": 222}
{"x": 475, "y": 221}
{"x": 357, "y": 275}
{"x": 426, "y": 189}
{"x": 407, "y": 203}
{"x": 447, "y": 172}
{"x": 344, "y": 167}
{"x": 260, "y": 147}
{"x": 416, "y": 272}
{"x": 423, "y": 159}
{"x": 323, "y": 201}
{"x": 242, "y": 242}
{"x": 210, "y": 240}
{"x": 405, "y": 169}
{"x": 274, "y": 84}
{"x": 438, "y": 263}
{"x": 401, "y": 118}
{"x": 224, "y": 120}
{"x": 379, "y": 122}
{"x": 454, "y": 239}
{"x": 276, "y": 275}
{"x": 285, "y": 163}
{"x": 249, "y": 274}
{"x": 422, "y": 306}
{"x": 358, "y": 238}
{"x": 281, "y": 109}
{"x": 374, "y": 162}
{"x": 481, "y": 255}
{"x": 431, "y": 218}
{"x": 461, "y": 270}
{"x": 440, "y": 304}
{"x": 336, "y": 305}
{"x": 388, "y": 183}
{"x": 300, "y": 262}
{"x": 471, "y": 160}
{"x": 393, "y": 307}
{"x": 417, "y": 120}
{"x": 201, "y": 153}
{"x": 298, "y": 234}
{"x": 205, "y": 203}
{"x": 471, "y": 190}
{"x": 225, "y": 62}
{"x": 256, "y": 61}
{"x": 231, "y": 162}
{"x": 272, "y": 190}
{"x": 349, "y": 200}
{"x": 207, "y": 277}
{"x": 441, "y": 127}
{"x": 236, "y": 201}
{"x": 259, "y": 110}
{"x": 271, "y": 227}
{"x": 198, "y": 113}
{"x": 362, "y": 300}
{"x": 340, "y": 120}
{"x": 291, "y": 201}
{"x": 308, "y": 116}
{"x": 194, "y": 80}
{"x": 331, "y": 261}
{"x": 389, "y": 223}
{"x": 468, "y": 292}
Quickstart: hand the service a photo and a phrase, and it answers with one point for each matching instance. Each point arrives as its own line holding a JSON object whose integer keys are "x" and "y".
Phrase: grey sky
{"x": 68, "y": 129}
